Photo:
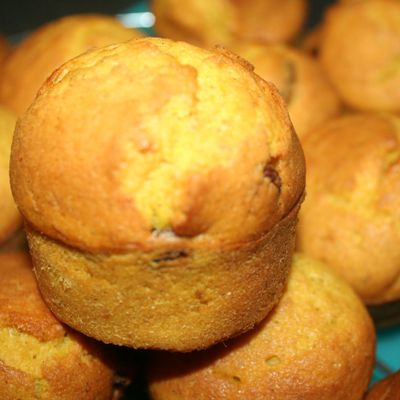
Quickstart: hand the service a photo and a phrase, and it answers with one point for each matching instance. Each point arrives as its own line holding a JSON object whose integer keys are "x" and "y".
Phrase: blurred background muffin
{"x": 317, "y": 344}
{"x": 350, "y": 218}
{"x": 310, "y": 42}
{"x": 39, "y": 357}
{"x": 360, "y": 51}
{"x": 10, "y": 218}
{"x": 208, "y": 23}
{"x": 309, "y": 96}
{"x": 387, "y": 389}
{"x": 45, "y": 49}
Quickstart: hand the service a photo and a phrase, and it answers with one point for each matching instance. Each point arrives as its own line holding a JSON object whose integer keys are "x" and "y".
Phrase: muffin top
{"x": 51, "y": 45}
{"x": 351, "y": 216}
{"x": 360, "y": 49}
{"x": 38, "y": 355}
{"x": 154, "y": 141}
{"x": 300, "y": 80}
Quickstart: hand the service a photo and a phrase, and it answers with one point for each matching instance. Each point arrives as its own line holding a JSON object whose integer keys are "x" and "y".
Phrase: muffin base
{"x": 178, "y": 300}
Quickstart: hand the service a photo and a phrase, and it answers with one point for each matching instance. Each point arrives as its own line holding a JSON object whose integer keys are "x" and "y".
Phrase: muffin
{"x": 10, "y": 218}
{"x": 387, "y": 389}
{"x": 50, "y": 46}
{"x": 317, "y": 344}
{"x": 351, "y": 216}
{"x": 172, "y": 196}
{"x": 309, "y": 96}
{"x": 39, "y": 357}
{"x": 311, "y": 41}
{"x": 360, "y": 53}
{"x": 207, "y": 23}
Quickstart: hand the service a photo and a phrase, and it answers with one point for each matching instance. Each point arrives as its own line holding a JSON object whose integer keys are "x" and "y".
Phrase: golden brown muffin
{"x": 47, "y": 48}
{"x": 39, "y": 357}
{"x": 10, "y": 218}
{"x": 173, "y": 166}
{"x": 360, "y": 53}
{"x": 309, "y": 96}
{"x": 318, "y": 344}
{"x": 212, "y": 22}
{"x": 311, "y": 41}
{"x": 351, "y": 215}
{"x": 387, "y": 389}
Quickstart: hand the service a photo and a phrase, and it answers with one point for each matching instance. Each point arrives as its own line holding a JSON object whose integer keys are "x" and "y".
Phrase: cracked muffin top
{"x": 154, "y": 141}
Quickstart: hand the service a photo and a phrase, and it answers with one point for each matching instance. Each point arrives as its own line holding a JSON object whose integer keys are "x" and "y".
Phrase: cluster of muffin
{"x": 351, "y": 219}
{"x": 343, "y": 98}
{"x": 160, "y": 185}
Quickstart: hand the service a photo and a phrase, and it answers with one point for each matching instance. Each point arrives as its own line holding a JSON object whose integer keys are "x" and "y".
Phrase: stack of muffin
{"x": 159, "y": 185}
{"x": 351, "y": 217}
